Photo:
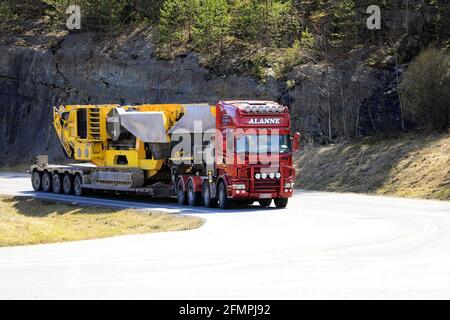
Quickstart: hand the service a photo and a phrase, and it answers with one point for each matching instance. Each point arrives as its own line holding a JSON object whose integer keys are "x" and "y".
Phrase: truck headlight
{"x": 289, "y": 185}
{"x": 258, "y": 176}
{"x": 278, "y": 175}
{"x": 264, "y": 175}
{"x": 238, "y": 186}
{"x": 272, "y": 175}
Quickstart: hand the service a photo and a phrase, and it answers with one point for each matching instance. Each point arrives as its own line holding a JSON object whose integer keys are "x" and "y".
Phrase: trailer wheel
{"x": 57, "y": 183}
{"x": 36, "y": 181}
{"x": 46, "y": 182}
{"x": 67, "y": 184}
{"x": 265, "y": 203}
{"x": 206, "y": 195}
{"x": 77, "y": 182}
{"x": 194, "y": 198}
{"x": 224, "y": 202}
{"x": 181, "y": 194}
{"x": 281, "y": 202}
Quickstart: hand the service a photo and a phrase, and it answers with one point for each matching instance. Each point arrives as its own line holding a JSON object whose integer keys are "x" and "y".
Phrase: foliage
{"x": 176, "y": 21}
{"x": 98, "y": 15}
{"x": 211, "y": 23}
{"x": 425, "y": 90}
{"x": 7, "y": 17}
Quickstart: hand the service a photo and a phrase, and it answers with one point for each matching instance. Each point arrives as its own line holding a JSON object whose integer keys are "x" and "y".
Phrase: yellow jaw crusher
{"x": 128, "y": 144}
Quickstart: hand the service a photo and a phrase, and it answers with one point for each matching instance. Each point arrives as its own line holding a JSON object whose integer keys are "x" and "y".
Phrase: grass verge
{"x": 26, "y": 221}
{"x": 411, "y": 165}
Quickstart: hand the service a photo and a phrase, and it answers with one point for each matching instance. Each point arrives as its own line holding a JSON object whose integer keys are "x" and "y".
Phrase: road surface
{"x": 324, "y": 245}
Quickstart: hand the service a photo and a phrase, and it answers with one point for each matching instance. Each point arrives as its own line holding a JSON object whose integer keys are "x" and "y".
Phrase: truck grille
{"x": 267, "y": 185}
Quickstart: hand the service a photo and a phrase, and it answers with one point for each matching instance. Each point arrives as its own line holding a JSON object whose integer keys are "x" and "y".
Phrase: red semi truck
{"x": 240, "y": 151}
{"x": 261, "y": 169}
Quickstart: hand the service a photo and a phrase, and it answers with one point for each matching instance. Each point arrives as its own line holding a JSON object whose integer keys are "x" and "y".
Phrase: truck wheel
{"x": 224, "y": 202}
{"x": 77, "y": 182}
{"x": 36, "y": 181}
{"x": 46, "y": 182}
{"x": 281, "y": 202}
{"x": 194, "y": 198}
{"x": 206, "y": 195}
{"x": 57, "y": 183}
{"x": 265, "y": 203}
{"x": 181, "y": 194}
{"x": 67, "y": 184}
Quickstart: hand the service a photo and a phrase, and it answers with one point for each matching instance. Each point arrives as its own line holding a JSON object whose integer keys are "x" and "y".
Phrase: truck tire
{"x": 194, "y": 198}
{"x": 281, "y": 202}
{"x": 181, "y": 194}
{"x": 206, "y": 195}
{"x": 68, "y": 184}
{"x": 46, "y": 182}
{"x": 265, "y": 203}
{"x": 77, "y": 182}
{"x": 36, "y": 181}
{"x": 57, "y": 183}
{"x": 224, "y": 202}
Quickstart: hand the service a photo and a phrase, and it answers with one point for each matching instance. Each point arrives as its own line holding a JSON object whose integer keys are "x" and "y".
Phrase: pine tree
{"x": 176, "y": 21}
{"x": 212, "y": 23}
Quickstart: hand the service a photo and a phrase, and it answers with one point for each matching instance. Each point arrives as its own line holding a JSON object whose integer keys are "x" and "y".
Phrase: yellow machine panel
{"x": 83, "y": 132}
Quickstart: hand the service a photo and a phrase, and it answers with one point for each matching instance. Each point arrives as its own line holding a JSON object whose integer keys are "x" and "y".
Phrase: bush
{"x": 8, "y": 19}
{"x": 425, "y": 90}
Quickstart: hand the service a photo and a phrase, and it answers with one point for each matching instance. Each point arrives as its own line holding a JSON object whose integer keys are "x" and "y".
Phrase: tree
{"x": 211, "y": 23}
{"x": 146, "y": 8}
{"x": 176, "y": 21}
{"x": 425, "y": 90}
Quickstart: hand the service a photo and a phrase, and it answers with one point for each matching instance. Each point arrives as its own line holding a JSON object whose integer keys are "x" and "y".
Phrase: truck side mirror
{"x": 296, "y": 141}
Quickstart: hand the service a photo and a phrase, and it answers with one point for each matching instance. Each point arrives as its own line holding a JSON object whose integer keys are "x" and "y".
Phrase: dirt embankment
{"x": 409, "y": 166}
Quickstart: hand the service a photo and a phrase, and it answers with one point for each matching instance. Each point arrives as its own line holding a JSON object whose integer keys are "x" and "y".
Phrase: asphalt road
{"x": 324, "y": 245}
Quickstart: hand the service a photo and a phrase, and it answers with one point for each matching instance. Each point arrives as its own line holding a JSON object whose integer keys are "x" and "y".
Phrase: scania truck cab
{"x": 257, "y": 164}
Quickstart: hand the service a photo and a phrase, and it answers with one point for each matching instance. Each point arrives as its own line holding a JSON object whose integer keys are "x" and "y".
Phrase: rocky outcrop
{"x": 343, "y": 100}
{"x": 86, "y": 70}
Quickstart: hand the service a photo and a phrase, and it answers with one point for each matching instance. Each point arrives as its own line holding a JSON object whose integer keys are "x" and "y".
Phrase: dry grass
{"x": 409, "y": 166}
{"x": 32, "y": 221}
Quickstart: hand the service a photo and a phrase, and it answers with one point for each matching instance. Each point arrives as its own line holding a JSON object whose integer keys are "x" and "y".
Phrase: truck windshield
{"x": 263, "y": 144}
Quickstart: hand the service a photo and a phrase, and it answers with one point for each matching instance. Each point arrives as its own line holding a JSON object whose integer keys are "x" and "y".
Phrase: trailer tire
{"x": 36, "y": 181}
{"x": 57, "y": 183}
{"x": 67, "y": 184}
{"x": 46, "y": 182}
{"x": 265, "y": 203}
{"x": 194, "y": 198}
{"x": 281, "y": 202}
{"x": 181, "y": 194}
{"x": 206, "y": 195}
{"x": 224, "y": 202}
{"x": 77, "y": 182}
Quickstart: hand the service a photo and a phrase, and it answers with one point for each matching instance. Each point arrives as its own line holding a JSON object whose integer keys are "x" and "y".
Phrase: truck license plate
{"x": 265, "y": 196}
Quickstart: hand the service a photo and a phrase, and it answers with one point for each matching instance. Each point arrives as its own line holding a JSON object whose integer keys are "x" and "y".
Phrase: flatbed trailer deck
{"x": 75, "y": 178}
